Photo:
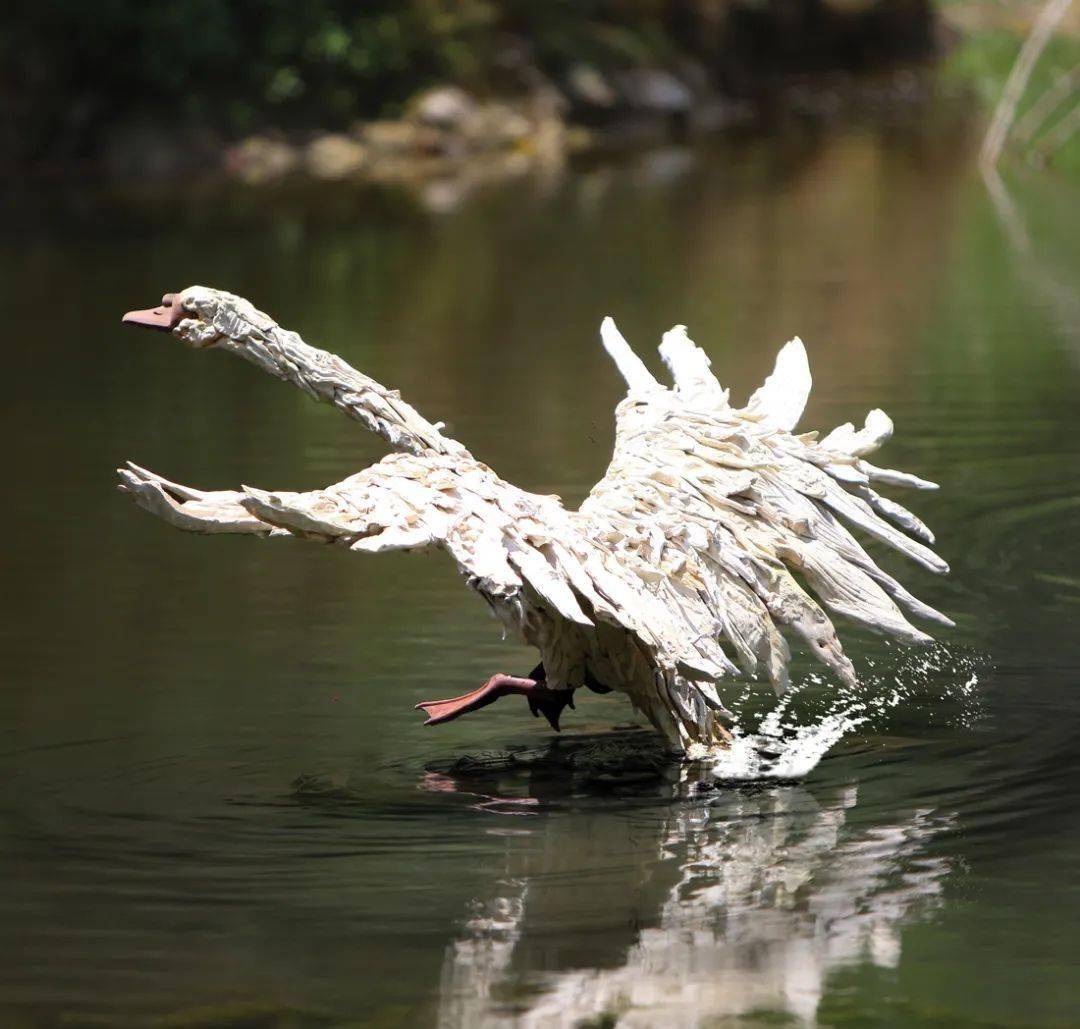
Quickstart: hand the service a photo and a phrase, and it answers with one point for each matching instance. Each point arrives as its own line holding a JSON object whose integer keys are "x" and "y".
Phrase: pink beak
{"x": 164, "y": 317}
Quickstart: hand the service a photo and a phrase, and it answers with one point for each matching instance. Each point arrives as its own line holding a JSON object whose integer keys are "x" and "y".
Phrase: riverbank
{"x": 448, "y": 143}
{"x": 523, "y": 95}
{"x": 153, "y": 90}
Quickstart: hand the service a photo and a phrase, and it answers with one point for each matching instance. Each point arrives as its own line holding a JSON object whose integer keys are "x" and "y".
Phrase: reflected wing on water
{"x": 743, "y": 519}
{"x": 754, "y": 901}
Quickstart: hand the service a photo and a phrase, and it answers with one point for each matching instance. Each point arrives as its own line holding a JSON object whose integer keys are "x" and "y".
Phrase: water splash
{"x": 788, "y": 741}
{"x": 792, "y": 754}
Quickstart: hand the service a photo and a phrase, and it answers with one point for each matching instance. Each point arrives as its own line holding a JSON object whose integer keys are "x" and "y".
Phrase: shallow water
{"x": 215, "y": 800}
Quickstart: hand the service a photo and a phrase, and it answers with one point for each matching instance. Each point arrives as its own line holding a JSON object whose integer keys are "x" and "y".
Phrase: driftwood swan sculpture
{"x": 676, "y": 573}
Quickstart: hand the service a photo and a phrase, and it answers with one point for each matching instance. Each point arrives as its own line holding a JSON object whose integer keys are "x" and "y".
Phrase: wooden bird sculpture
{"x": 676, "y": 574}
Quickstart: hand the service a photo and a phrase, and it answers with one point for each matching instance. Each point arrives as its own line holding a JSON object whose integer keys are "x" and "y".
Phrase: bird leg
{"x": 542, "y": 701}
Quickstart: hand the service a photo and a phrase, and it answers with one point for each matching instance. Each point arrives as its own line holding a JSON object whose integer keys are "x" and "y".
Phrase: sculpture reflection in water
{"x": 716, "y": 905}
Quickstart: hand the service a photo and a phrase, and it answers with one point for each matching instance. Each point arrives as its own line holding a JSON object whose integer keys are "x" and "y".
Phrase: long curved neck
{"x": 228, "y": 322}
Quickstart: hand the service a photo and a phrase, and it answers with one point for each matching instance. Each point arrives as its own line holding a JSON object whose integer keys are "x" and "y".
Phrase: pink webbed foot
{"x": 549, "y": 703}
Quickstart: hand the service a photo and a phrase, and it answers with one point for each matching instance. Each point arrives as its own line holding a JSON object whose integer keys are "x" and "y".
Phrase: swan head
{"x": 202, "y": 318}
{"x": 164, "y": 317}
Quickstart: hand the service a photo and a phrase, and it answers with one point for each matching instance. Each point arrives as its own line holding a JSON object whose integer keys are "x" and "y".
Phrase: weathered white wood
{"x": 779, "y": 402}
{"x": 894, "y": 478}
{"x": 638, "y": 378}
{"x": 690, "y": 368}
{"x": 676, "y": 572}
{"x": 190, "y": 509}
{"x": 845, "y": 439}
{"x": 226, "y": 322}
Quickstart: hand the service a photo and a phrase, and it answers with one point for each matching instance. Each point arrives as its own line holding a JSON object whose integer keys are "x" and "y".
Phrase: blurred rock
{"x": 398, "y": 138}
{"x": 334, "y": 157}
{"x": 448, "y": 144}
{"x": 589, "y": 87}
{"x": 444, "y": 107}
{"x": 260, "y": 159}
{"x": 654, "y": 91}
{"x": 496, "y": 125}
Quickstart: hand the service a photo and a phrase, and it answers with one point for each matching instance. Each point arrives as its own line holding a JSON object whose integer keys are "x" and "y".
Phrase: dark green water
{"x": 161, "y": 692}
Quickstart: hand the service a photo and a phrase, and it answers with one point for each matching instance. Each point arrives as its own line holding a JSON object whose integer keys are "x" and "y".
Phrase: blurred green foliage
{"x": 68, "y": 67}
{"x": 982, "y": 62}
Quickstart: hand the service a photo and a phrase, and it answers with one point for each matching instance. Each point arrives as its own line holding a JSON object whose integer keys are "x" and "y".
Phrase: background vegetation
{"x": 71, "y": 70}
{"x": 981, "y": 60}
{"x": 75, "y": 75}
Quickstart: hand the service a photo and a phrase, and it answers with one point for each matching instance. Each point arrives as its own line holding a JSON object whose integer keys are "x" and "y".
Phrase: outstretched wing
{"x": 542, "y": 569}
{"x": 732, "y": 507}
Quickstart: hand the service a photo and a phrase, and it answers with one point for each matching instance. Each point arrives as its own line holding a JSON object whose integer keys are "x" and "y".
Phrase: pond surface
{"x": 217, "y": 805}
